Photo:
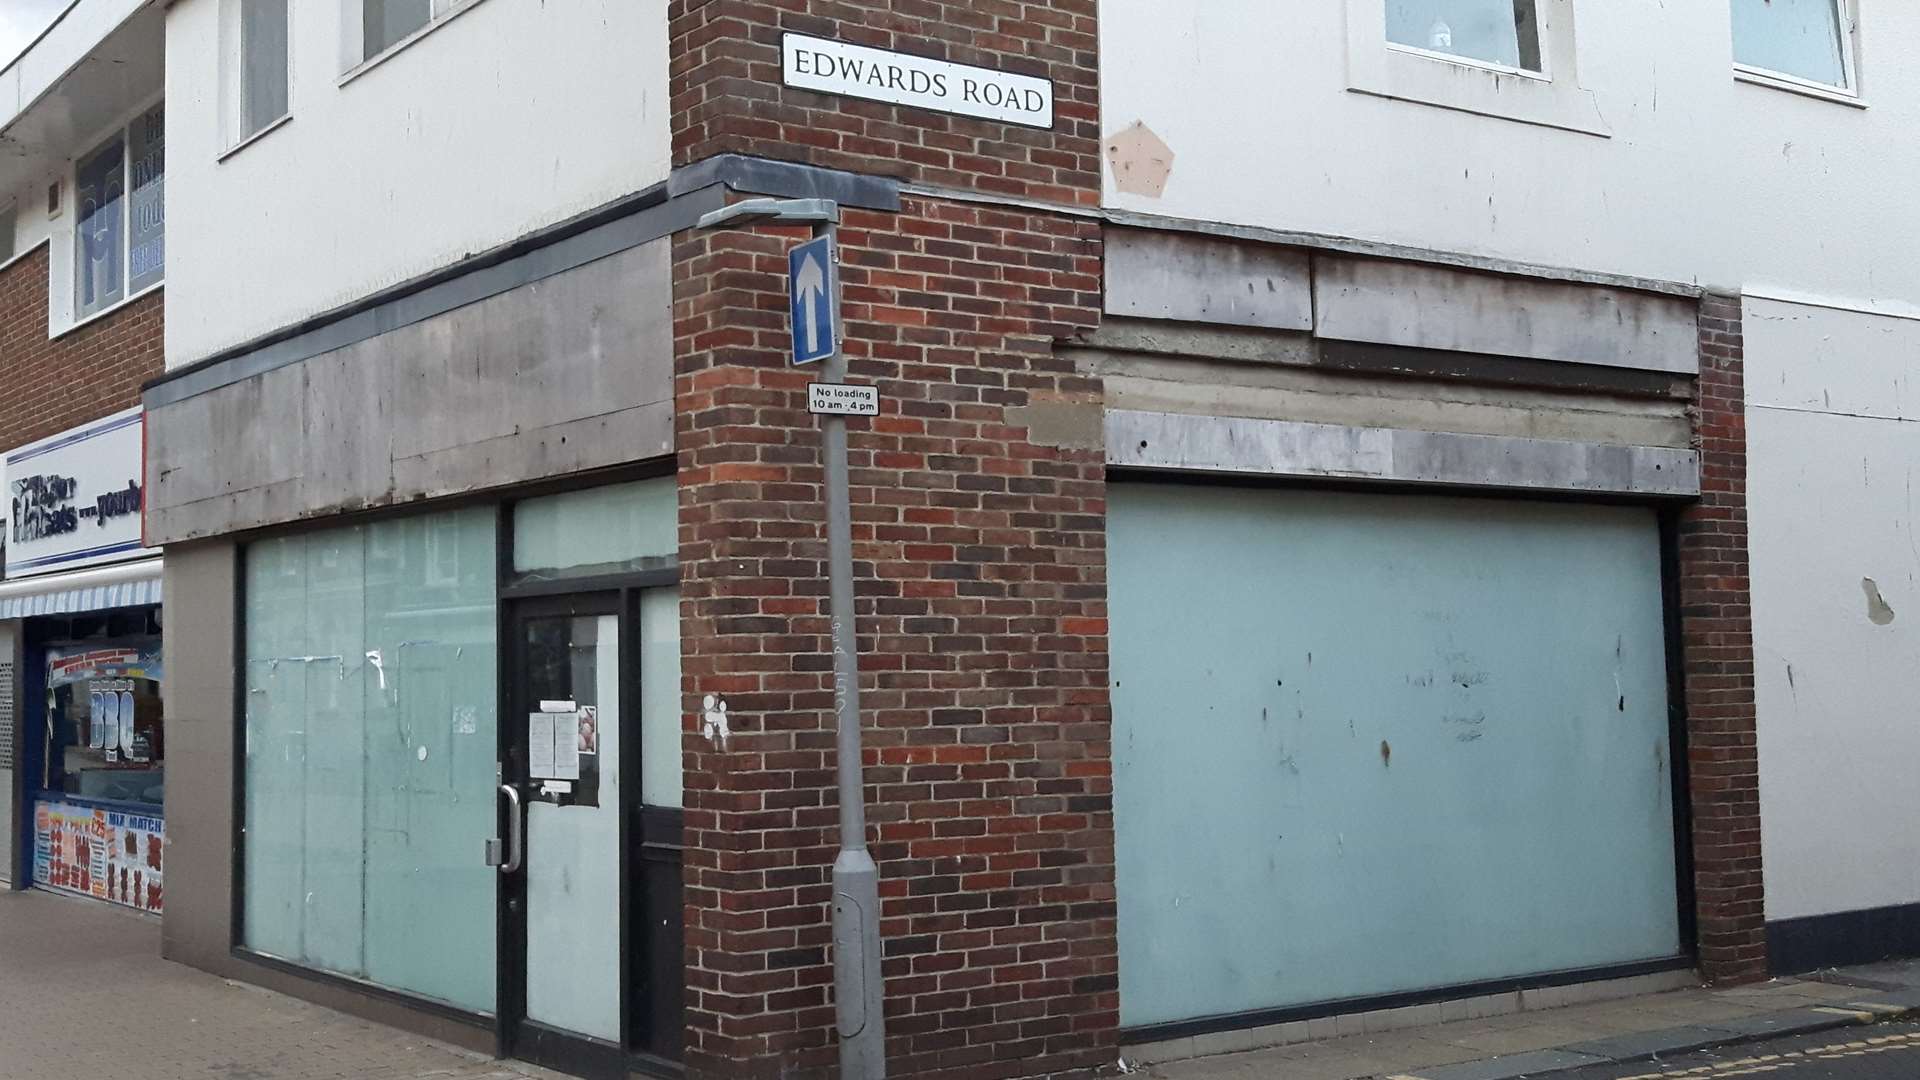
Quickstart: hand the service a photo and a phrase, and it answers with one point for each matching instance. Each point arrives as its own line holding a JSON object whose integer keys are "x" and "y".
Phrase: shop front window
{"x": 95, "y": 756}
{"x": 371, "y": 752}
{"x": 106, "y": 729}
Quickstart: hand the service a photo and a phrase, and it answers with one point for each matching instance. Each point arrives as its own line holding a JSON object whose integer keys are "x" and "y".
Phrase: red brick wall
{"x": 980, "y": 561}
{"x": 49, "y": 386}
{"x": 727, "y": 96}
{"x": 1717, "y": 648}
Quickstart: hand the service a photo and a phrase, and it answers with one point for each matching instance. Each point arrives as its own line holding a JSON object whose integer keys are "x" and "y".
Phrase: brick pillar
{"x": 979, "y": 533}
{"x": 1717, "y": 648}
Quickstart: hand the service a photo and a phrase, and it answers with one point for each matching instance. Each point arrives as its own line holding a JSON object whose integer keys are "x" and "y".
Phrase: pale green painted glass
{"x": 1368, "y": 744}
{"x": 660, "y": 749}
{"x": 1802, "y": 38}
{"x": 601, "y": 530}
{"x": 371, "y": 749}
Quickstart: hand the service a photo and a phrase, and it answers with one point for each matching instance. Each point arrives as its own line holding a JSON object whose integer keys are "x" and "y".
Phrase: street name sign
{"x": 812, "y": 299}
{"x": 841, "y": 399}
{"x": 837, "y": 67}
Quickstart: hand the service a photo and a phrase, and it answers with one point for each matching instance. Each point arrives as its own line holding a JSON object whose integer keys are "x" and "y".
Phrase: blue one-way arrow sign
{"x": 811, "y": 297}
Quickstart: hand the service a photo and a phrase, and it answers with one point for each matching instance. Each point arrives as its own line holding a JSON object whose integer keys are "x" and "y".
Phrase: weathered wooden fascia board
{"x": 1281, "y": 448}
{"x": 1384, "y": 302}
{"x": 1198, "y": 279}
{"x": 1350, "y": 245}
{"x": 1250, "y": 345}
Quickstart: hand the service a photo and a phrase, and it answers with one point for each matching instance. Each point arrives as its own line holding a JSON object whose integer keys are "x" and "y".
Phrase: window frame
{"x": 1850, "y": 94}
{"x": 355, "y": 61}
{"x": 1545, "y": 74}
{"x": 234, "y": 135}
{"x": 1551, "y": 97}
{"x": 65, "y": 283}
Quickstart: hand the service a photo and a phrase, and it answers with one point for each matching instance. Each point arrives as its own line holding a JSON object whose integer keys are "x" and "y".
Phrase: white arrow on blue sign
{"x": 812, "y": 298}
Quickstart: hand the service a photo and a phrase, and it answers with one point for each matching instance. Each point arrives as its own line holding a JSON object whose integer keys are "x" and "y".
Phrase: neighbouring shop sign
{"x": 837, "y": 67}
{"x": 105, "y": 854}
{"x": 75, "y": 499}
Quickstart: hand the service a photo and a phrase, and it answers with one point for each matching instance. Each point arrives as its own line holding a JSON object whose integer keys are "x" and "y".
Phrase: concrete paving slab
{"x": 1510, "y": 1067}
{"x": 1792, "y": 1022}
{"x": 1891, "y": 973}
{"x": 1529, "y": 1038}
{"x": 1902, "y": 999}
{"x": 69, "y": 958}
{"x": 1646, "y": 1044}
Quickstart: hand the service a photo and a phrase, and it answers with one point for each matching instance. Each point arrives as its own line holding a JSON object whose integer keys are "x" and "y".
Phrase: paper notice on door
{"x": 540, "y": 746}
{"x": 566, "y": 747}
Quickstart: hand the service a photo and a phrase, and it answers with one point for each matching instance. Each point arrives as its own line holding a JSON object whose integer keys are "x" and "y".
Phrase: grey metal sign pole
{"x": 859, "y": 991}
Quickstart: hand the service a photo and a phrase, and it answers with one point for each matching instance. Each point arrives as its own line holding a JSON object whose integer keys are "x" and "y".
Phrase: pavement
{"x": 1632, "y": 1037}
{"x": 84, "y": 995}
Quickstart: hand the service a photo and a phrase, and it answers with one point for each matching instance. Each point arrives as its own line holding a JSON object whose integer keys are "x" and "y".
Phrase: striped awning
{"x": 95, "y": 589}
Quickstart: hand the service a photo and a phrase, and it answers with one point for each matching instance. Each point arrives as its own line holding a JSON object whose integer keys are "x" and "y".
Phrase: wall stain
{"x": 1386, "y": 754}
{"x": 1879, "y": 612}
{"x": 1467, "y": 728}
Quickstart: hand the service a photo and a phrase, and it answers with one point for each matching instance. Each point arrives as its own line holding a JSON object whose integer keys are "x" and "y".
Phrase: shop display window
{"x": 104, "y": 725}
{"x": 371, "y": 750}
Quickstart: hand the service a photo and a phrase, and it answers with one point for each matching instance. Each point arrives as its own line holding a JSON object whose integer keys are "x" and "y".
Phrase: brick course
{"x": 980, "y": 561}
{"x": 1716, "y": 626}
{"x": 47, "y": 386}
{"x": 727, "y": 96}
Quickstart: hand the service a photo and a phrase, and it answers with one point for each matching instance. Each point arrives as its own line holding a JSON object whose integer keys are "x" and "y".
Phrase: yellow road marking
{"x": 1786, "y": 1060}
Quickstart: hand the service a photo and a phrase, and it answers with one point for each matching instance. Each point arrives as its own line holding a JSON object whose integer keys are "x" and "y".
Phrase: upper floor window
{"x": 1807, "y": 41}
{"x": 1504, "y": 33}
{"x": 120, "y": 227}
{"x": 386, "y": 23}
{"x": 7, "y": 224}
{"x": 263, "y": 64}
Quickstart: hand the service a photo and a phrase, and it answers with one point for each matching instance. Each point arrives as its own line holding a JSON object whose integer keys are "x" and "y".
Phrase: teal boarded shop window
{"x": 1370, "y": 744}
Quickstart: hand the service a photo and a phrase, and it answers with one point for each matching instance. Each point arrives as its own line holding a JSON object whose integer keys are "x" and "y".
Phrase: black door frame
{"x": 516, "y": 1036}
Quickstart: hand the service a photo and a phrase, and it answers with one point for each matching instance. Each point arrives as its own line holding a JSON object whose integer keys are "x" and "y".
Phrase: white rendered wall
{"x": 1833, "y": 449}
{"x": 1703, "y": 179}
{"x": 513, "y": 115}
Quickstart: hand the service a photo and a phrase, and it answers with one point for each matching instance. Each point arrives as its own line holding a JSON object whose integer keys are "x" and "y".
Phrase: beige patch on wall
{"x": 1140, "y": 160}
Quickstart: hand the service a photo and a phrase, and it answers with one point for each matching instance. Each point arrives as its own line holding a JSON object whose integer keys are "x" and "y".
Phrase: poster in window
{"x": 102, "y": 854}
{"x": 107, "y": 719}
{"x": 127, "y": 737}
{"x": 96, "y": 721}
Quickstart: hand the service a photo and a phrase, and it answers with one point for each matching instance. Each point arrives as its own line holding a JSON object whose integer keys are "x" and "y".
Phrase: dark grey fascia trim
{"x": 1348, "y": 245}
{"x": 787, "y": 180}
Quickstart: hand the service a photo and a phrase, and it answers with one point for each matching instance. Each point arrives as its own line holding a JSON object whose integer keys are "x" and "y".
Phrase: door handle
{"x": 509, "y": 863}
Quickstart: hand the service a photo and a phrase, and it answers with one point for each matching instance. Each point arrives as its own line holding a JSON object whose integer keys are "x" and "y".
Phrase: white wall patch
{"x": 714, "y": 723}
